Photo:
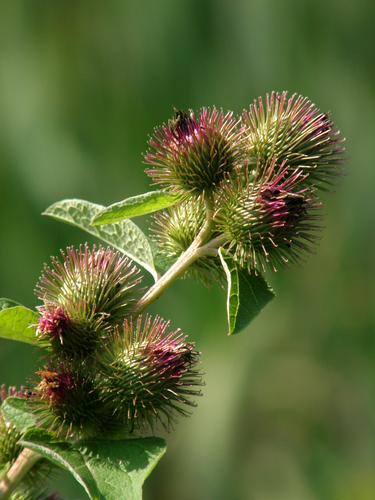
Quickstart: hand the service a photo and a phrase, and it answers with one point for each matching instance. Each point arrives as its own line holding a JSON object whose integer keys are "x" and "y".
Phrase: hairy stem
{"x": 212, "y": 247}
{"x": 196, "y": 250}
{"x": 24, "y": 462}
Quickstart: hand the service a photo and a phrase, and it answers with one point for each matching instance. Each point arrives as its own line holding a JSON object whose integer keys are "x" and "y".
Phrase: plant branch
{"x": 24, "y": 462}
{"x": 211, "y": 248}
{"x": 191, "y": 254}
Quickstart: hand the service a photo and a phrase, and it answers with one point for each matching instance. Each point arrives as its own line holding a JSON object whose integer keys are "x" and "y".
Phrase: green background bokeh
{"x": 288, "y": 411}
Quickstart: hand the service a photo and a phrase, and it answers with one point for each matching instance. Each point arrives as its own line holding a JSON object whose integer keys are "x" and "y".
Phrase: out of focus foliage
{"x": 289, "y": 406}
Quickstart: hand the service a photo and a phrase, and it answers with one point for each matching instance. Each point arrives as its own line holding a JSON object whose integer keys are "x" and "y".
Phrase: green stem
{"x": 196, "y": 250}
{"x": 212, "y": 247}
{"x": 24, "y": 462}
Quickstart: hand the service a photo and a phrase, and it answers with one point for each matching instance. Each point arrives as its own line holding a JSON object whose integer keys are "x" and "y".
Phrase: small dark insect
{"x": 182, "y": 123}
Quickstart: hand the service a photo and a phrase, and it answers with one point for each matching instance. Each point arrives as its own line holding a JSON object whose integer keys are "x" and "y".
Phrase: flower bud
{"x": 84, "y": 295}
{"x": 67, "y": 400}
{"x": 295, "y": 131}
{"x": 148, "y": 375}
{"x": 191, "y": 154}
{"x": 269, "y": 222}
{"x": 174, "y": 230}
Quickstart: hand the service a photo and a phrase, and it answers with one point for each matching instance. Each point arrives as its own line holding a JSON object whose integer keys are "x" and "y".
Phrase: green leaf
{"x": 247, "y": 294}
{"x": 125, "y": 236}
{"x": 18, "y": 323}
{"x": 6, "y": 303}
{"x": 19, "y": 412}
{"x": 135, "y": 206}
{"x": 65, "y": 455}
{"x": 106, "y": 469}
{"x": 121, "y": 467}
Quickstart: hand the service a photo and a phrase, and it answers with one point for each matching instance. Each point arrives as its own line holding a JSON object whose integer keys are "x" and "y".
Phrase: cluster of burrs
{"x": 245, "y": 184}
{"x": 108, "y": 368}
{"x": 259, "y": 174}
{"x": 241, "y": 187}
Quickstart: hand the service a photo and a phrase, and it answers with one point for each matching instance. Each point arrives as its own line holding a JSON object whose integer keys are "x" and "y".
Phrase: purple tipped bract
{"x": 269, "y": 222}
{"x": 87, "y": 284}
{"x": 85, "y": 294}
{"x": 192, "y": 154}
{"x": 294, "y": 130}
{"x": 53, "y": 322}
{"x": 150, "y": 374}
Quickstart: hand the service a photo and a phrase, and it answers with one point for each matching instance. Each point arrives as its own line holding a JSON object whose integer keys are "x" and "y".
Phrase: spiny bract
{"x": 192, "y": 154}
{"x": 148, "y": 375}
{"x": 268, "y": 222}
{"x": 84, "y": 295}
{"x": 294, "y": 130}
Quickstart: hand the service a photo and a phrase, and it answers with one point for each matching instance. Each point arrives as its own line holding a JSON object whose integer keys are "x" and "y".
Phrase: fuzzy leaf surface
{"x": 247, "y": 294}
{"x": 107, "y": 470}
{"x": 135, "y": 206}
{"x": 6, "y": 303}
{"x": 19, "y": 412}
{"x": 124, "y": 236}
{"x": 121, "y": 467}
{"x": 65, "y": 455}
{"x": 18, "y": 323}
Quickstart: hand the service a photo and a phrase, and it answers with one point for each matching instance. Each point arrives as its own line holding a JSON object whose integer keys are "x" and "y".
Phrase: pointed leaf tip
{"x": 135, "y": 206}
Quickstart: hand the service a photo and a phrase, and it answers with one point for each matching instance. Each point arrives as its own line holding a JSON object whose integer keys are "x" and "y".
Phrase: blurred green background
{"x": 288, "y": 411}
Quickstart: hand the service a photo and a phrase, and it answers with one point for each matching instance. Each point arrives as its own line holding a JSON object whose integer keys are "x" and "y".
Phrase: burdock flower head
{"x": 175, "y": 229}
{"x": 148, "y": 375}
{"x": 268, "y": 222}
{"x": 66, "y": 396}
{"x": 292, "y": 129}
{"x": 85, "y": 294}
{"x": 191, "y": 154}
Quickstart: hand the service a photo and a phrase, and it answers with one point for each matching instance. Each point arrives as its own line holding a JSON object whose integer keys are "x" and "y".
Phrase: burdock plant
{"x": 192, "y": 154}
{"x": 237, "y": 196}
